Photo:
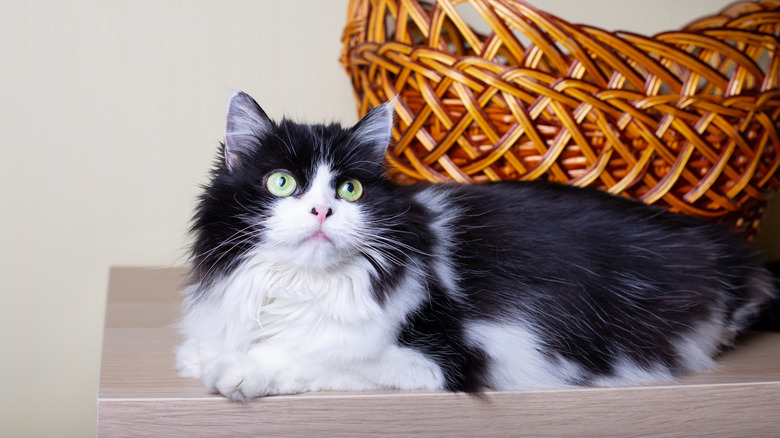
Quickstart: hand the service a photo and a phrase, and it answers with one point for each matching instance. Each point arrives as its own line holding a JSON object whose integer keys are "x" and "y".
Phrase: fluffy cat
{"x": 312, "y": 271}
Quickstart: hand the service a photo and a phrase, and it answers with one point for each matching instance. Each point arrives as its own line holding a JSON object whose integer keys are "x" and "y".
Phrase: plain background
{"x": 110, "y": 115}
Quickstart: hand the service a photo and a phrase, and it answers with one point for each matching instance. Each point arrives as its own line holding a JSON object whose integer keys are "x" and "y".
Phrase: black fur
{"x": 598, "y": 275}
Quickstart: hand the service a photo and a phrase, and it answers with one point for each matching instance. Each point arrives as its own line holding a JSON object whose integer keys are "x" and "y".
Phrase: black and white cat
{"x": 311, "y": 271}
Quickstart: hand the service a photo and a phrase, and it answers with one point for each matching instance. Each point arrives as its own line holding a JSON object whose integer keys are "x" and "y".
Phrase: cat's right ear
{"x": 246, "y": 124}
{"x": 375, "y": 129}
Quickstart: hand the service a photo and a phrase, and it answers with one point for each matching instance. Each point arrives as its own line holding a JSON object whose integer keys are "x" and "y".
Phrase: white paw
{"x": 404, "y": 368}
{"x": 187, "y": 367}
{"x": 192, "y": 357}
{"x": 236, "y": 376}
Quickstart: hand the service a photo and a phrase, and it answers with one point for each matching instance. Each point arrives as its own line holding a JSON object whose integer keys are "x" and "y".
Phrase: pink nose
{"x": 322, "y": 212}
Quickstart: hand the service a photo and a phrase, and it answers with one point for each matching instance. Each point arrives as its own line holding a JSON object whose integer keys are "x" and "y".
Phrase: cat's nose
{"x": 322, "y": 212}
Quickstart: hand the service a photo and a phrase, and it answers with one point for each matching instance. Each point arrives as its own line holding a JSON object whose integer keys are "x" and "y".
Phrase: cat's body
{"x": 345, "y": 281}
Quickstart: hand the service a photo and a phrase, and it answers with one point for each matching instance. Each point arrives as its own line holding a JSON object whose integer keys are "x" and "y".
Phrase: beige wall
{"x": 110, "y": 112}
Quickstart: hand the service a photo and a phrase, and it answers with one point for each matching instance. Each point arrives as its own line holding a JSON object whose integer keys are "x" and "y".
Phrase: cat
{"x": 310, "y": 271}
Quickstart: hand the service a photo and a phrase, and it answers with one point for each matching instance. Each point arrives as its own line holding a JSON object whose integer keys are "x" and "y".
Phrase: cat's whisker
{"x": 392, "y": 241}
{"x": 393, "y": 257}
{"x": 245, "y": 237}
{"x": 252, "y": 214}
{"x": 375, "y": 252}
{"x": 204, "y": 257}
{"x": 389, "y": 257}
{"x": 241, "y": 233}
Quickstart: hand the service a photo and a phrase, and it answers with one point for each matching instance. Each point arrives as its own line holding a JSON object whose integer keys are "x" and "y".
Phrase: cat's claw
{"x": 235, "y": 376}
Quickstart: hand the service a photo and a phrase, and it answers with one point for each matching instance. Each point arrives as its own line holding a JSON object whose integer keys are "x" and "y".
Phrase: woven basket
{"x": 688, "y": 120}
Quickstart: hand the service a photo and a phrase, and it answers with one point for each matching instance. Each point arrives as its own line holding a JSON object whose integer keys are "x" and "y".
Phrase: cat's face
{"x": 308, "y": 196}
{"x": 315, "y": 218}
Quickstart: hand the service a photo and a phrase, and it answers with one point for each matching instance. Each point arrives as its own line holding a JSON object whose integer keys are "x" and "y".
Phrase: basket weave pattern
{"x": 687, "y": 120}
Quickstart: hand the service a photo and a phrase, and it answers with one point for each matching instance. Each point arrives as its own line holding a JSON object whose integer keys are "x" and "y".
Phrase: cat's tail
{"x": 769, "y": 318}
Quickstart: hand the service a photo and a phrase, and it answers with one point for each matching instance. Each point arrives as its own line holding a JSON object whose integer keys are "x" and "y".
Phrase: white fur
{"x": 627, "y": 372}
{"x": 299, "y": 314}
{"x": 701, "y": 343}
{"x": 695, "y": 349}
{"x": 516, "y": 359}
{"x": 445, "y": 210}
{"x": 518, "y": 364}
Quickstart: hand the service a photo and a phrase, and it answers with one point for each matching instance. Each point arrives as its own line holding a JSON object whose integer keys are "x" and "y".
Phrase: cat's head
{"x": 304, "y": 196}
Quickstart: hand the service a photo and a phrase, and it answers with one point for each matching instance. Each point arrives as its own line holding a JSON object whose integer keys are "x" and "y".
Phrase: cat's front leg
{"x": 263, "y": 370}
{"x": 192, "y": 356}
{"x": 391, "y": 367}
{"x": 236, "y": 376}
{"x": 400, "y": 367}
{"x": 271, "y": 370}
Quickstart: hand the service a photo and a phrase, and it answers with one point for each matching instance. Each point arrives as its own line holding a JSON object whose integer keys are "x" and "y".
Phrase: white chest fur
{"x": 264, "y": 301}
{"x": 298, "y": 330}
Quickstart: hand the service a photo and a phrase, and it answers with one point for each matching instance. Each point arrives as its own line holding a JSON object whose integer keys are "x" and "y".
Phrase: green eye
{"x": 350, "y": 190}
{"x": 281, "y": 184}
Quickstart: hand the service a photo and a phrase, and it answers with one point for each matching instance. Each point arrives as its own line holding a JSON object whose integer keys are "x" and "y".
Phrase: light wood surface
{"x": 140, "y": 394}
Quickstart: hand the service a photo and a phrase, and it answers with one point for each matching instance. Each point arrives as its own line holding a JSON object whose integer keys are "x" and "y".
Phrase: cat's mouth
{"x": 319, "y": 236}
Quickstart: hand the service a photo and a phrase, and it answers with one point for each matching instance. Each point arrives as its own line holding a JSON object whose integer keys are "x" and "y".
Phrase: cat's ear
{"x": 375, "y": 129}
{"x": 246, "y": 124}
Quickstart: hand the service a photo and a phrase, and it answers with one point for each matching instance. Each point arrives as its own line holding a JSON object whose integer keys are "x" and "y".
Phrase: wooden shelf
{"x": 140, "y": 394}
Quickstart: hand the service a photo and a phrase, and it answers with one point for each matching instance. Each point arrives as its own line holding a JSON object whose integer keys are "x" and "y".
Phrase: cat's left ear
{"x": 375, "y": 129}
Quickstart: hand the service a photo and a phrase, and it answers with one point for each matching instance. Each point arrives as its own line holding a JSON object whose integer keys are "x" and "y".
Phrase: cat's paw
{"x": 235, "y": 376}
{"x": 191, "y": 357}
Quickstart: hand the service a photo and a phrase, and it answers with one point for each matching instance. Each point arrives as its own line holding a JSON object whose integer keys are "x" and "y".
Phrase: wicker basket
{"x": 688, "y": 120}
